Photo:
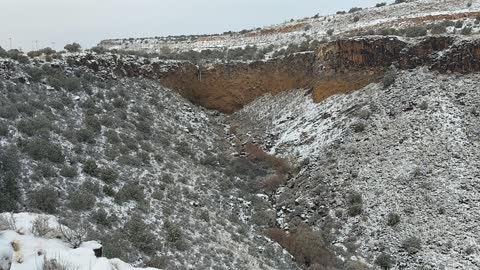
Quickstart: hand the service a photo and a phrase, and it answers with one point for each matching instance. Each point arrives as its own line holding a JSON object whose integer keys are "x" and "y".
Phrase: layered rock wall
{"x": 336, "y": 67}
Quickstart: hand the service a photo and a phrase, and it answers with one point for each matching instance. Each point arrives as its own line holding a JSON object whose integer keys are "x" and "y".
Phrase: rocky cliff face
{"x": 340, "y": 66}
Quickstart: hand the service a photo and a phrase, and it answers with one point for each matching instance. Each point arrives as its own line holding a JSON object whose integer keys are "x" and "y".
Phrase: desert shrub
{"x": 330, "y": 32}
{"x": 68, "y": 171}
{"x": 175, "y": 236}
{"x": 389, "y": 78}
{"x": 92, "y": 122}
{"x": 3, "y": 53}
{"x": 144, "y": 127}
{"x": 3, "y": 129}
{"x": 57, "y": 105}
{"x": 469, "y": 3}
{"x": 356, "y": 265}
{"x": 412, "y": 245}
{"x": 356, "y": 18}
{"x": 399, "y": 1}
{"x": 393, "y": 219}
{"x": 8, "y": 111}
{"x": 10, "y": 167}
{"x": 111, "y": 244}
{"x": 98, "y": 49}
{"x": 91, "y": 187}
{"x": 160, "y": 262}
{"x": 255, "y": 153}
{"x": 381, "y": 4}
{"x": 73, "y": 47}
{"x": 41, "y": 149}
{"x": 37, "y": 126}
{"x": 388, "y": 32}
{"x": 18, "y": 56}
{"x": 101, "y": 217}
{"x": 80, "y": 200}
{"x": 416, "y": 31}
{"x": 46, "y": 170}
{"x": 458, "y": 24}
{"x": 355, "y": 204}
{"x": 354, "y": 9}
{"x": 183, "y": 149}
{"x": 448, "y": 23}
{"x": 108, "y": 175}
{"x": 85, "y": 135}
{"x": 173, "y": 231}
{"x": 45, "y": 199}
{"x": 358, "y": 127}
{"x": 40, "y": 226}
{"x": 26, "y": 108}
{"x": 242, "y": 166}
{"x": 384, "y": 261}
{"x": 205, "y": 216}
{"x": 108, "y": 190}
{"x": 264, "y": 218}
{"x": 144, "y": 157}
{"x": 36, "y": 74}
{"x": 130, "y": 191}
{"x": 90, "y": 167}
{"x": 53, "y": 264}
{"x": 130, "y": 142}
{"x": 307, "y": 246}
{"x": 59, "y": 81}
{"x": 112, "y": 136}
{"x": 140, "y": 234}
{"x": 423, "y": 105}
{"x": 438, "y": 28}
{"x": 466, "y": 31}
{"x": 273, "y": 183}
{"x": 129, "y": 160}
{"x": 119, "y": 102}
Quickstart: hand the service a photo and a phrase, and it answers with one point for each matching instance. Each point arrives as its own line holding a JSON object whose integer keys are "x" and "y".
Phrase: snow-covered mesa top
{"x": 21, "y": 250}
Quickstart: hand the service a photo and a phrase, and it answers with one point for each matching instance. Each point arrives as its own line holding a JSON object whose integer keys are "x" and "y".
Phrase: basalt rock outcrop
{"x": 336, "y": 67}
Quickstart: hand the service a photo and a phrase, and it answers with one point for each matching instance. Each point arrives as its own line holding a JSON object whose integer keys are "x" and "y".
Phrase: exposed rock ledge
{"x": 340, "y": 66}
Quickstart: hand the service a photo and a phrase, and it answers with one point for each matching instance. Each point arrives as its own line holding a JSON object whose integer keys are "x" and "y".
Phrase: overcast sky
{"x": 90, "y": 21}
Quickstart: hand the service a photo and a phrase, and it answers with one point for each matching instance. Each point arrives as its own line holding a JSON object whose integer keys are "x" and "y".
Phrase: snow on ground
{"x": 410, "y": 150}
{"x": 382, "y": 17}
{"x": 26, "y": 251}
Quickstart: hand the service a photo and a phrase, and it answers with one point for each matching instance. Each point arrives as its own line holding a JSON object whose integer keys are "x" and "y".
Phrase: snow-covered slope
{"x": 27, "y": 252}
{"x": 390, "y": 171}
{"x": 298, "y": 31}
{"x": 131, "y": 164}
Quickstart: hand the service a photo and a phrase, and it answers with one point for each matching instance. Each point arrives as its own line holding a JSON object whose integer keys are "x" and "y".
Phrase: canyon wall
{"x": 336, "y": 67}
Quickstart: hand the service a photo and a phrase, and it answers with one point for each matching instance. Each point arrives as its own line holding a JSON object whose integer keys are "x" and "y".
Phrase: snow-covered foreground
{"x": 20, "y": 249}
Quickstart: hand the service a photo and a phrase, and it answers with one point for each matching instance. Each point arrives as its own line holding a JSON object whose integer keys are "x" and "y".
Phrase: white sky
{"x": 90, "y": 21}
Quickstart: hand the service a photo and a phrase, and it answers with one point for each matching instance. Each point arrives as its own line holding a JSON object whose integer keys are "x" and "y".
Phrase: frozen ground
{"x": 306, "y": 29}
{"x": 24, "y": 251}
{"x": 410, "y": 150}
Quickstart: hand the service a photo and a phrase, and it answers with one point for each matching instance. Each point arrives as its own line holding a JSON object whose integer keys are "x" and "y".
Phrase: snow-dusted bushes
{"x": 42, "y": 149}
{"x": 141, "y": 235}
{"x": 389, "y": 78}
{"x": 307, "y": 246}
{"x": 384, "y": 261}
{"x": 412, "y": 244}
{"x": 81, "y": 200}
{"x": 416, "y": 31}
{"x": 73, "y": 47}
{"x": 45, "y": 199}
{"x": 354, "y": 204}
{"x": 10, "y": 168}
